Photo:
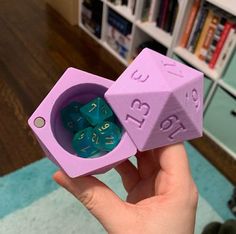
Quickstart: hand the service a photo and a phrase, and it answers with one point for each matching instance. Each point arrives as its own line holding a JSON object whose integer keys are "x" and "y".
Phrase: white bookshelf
{"x": 197, "y": 63}
{"x": 229, "y": 88}
{"x": 122, "y": 10}
{"x": 141, "y": 31}
{"x": 227, "y": 5}
{"x": 158, "y": 34}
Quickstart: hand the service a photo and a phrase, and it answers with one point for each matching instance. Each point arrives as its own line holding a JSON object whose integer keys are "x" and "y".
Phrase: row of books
{"x": 163, "y": 13}
{"x": 118, "y": 34}
{"x": 209, "y": 34}
{"x": 91, "y": 16}
{"x": 131, "y": 4}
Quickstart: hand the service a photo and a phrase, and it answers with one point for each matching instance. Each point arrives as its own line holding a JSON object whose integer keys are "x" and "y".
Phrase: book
{"x": 216, "y": 38}
{"x": 154, "y": 9}
{"x": 226, "y": 51}
{"x": 91, "y": 16}
{"x": 145, "y": 10}
{"x": 174, "y": 15}
{"x": 198, "y": 30}
{"x": 118, "y": 42}
{"x": 202, "y": 37}
{"x": 188, "y": 28}
{"x": 209, "y": 37}
{"x": 196, "y": 22}
{"x": 220, "y": 43}
{"x": 164, "y": 13}
{"x": 160, "y": 13}
{"x": 170, "y": 15}
{"x": 119, "y": 22}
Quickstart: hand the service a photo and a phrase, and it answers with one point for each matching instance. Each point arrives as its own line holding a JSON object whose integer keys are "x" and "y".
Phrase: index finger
{"x": 173, "y": 160}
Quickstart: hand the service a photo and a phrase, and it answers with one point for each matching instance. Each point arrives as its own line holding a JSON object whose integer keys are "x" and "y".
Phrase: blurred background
{"x": 40, "y": 39}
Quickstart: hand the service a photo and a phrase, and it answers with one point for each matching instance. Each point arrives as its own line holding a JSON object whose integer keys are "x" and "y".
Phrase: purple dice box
{"x": 158, "y": 101}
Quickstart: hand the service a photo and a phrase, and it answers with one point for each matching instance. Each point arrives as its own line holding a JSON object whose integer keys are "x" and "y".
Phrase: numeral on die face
{"x": 194, "y": 97}
{"x": 136, "y": 75}
{"x": 173, "y": 125}
{"x": 173, "y": 69}
{"x": 140, "y": 111}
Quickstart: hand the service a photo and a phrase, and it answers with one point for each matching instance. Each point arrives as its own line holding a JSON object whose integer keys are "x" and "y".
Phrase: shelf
{"x": 227, "y": 87}
{"x": 122, "y": 10}
{"x": 217, "y": 141}
{"x": 112, "y": 51}
{"x": 90, "y": 34}
{"x": 156, "y": 33}
{"x": 227, "y": 5}
{"x": 197, "y": 63}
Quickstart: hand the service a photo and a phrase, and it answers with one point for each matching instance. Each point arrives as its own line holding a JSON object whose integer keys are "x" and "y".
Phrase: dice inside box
{"x": 96, "y": 130}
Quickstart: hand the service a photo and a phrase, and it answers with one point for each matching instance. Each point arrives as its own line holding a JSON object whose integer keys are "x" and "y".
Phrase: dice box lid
{"x": 158, "y": 100}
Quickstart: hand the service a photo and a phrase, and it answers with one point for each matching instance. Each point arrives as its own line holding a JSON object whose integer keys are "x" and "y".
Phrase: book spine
{"x": 191, "y": 18}
{"x": 160, "y": 14}
{"x": 226, "y": 52}
{"x": 209, "y": 37}
{"x": 196, "y": 22}
{"x": 165, "y": 11}
{"x": 220, "y": 44}
{"x": 145, "y": 11}
{"x": 170, "y": 14}
{"x": 152, "y": 10}
{"x": 204, "y": 32}
{"x": 175, "y": 14}
{"x": 197, "y": 33}
{"x": 216, "y": 38}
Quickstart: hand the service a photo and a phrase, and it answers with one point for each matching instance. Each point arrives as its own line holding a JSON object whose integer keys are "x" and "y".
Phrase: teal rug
{"x": 31, "y": 202}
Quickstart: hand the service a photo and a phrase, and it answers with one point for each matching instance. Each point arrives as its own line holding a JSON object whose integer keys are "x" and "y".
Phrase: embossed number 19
{"x": 171, "y": 122}
{"x": 140, "y": 110}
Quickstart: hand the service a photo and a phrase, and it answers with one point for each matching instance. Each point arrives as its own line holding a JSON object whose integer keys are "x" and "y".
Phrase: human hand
{"x": 162, "y": 197}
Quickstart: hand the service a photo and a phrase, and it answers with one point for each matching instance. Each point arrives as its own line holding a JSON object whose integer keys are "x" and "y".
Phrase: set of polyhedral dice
{"x": 94, "y": 126}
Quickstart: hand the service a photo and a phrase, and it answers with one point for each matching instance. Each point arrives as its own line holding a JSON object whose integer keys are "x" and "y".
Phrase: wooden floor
{"x": 36, "y": 46}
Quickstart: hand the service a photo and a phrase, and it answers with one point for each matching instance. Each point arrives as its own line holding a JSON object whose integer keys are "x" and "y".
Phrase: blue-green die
{"x": 72, "y": 119}
{"x": 107, "y": 136}
{"x": 82, "y": 143}
{"x": 96, "y": 111}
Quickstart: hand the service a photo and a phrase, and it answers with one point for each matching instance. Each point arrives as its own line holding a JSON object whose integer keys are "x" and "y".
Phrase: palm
{"x": 148, "y": 182}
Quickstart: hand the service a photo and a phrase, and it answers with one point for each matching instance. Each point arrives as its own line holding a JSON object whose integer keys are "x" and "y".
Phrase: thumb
{"x": 100, "y": 200}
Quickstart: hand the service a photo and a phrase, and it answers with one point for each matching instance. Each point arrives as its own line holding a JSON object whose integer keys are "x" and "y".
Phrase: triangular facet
{"x": 172, "y": 126}
{"x": 138, "y": 113}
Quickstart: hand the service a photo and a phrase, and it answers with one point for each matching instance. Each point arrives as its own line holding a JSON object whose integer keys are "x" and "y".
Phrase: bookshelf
{"x": 142, "y": 31}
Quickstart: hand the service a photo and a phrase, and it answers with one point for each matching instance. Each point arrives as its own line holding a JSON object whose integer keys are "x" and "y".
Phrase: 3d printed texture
{"x": 157, "y": 100}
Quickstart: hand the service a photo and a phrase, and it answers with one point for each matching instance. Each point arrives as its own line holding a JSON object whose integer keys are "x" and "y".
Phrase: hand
{"x": 162, "y": 196}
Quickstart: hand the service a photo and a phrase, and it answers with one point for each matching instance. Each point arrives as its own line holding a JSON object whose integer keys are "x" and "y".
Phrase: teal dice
{"x": 93, "y": 125}
{"x": 82, "y": 143}
{"x": 72, "y": 118}
{"x": 96, "y": 111}
{"x": 107, "y": 136}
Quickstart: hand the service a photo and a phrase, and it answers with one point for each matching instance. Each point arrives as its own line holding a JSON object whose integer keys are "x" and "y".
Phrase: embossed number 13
{"x": 141, "y": 110}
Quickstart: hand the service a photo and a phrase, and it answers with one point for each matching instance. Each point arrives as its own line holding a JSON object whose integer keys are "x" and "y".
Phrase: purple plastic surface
{"x": 158, "y": 100}
{"x": 55, "y": 140}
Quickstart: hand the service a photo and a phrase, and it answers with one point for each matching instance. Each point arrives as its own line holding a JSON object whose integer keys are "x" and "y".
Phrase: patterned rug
{"x": 31, "y": 202}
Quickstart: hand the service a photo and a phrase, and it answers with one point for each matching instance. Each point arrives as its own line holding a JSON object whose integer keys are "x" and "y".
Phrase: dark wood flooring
{"x": 36, "y": 46}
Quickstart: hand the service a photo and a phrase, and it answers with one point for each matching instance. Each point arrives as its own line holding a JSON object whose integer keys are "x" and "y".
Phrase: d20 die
{"x": 158, "y": 100}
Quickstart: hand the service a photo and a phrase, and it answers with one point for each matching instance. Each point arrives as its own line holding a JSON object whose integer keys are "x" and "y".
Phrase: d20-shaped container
{"x": 56, "y": 141}
{"x": 158, "y": 101}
